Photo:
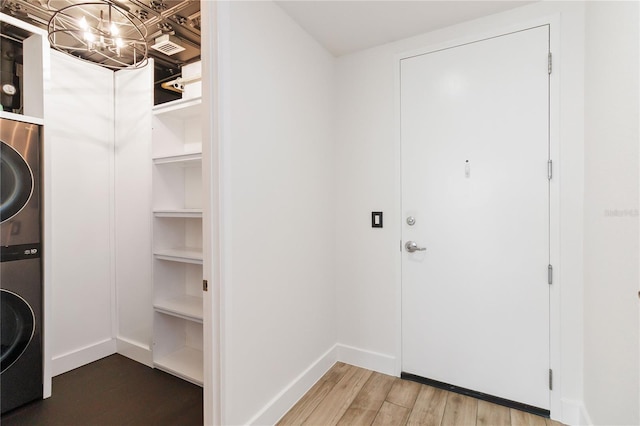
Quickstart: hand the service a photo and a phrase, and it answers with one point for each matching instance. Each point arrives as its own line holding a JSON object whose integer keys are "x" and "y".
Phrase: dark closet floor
{"x": 114, "y": 391}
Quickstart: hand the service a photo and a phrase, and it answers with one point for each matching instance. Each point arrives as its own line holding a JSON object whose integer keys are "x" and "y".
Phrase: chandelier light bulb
{"x": 89, "y": 37}
{"x": 83, "y": 23}
{"x": 114, "y": 29}
{"x": 119, "y": 44}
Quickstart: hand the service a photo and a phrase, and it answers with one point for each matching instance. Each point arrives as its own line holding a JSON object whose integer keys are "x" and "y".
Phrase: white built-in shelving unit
{"x": 177, "y": 239}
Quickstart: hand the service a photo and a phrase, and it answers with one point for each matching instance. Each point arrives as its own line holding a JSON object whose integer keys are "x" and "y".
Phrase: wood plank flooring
{"x": 349, "y": 395}
{"x": 118, "y": 391}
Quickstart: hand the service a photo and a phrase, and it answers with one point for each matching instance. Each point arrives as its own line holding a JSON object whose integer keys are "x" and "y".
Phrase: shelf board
{"x": 21, "y": 117}
{"x": 181, "y": 108}
{"x": 183, "y": 160}
{"x": 185, "y": 307}
{"x": 186, "y": 363}
{"x": 182, "y": 254}
{"x": 186, "y": 213}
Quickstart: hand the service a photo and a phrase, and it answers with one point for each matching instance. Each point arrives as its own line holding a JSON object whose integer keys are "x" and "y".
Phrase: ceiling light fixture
{"x": 100, "y": 31}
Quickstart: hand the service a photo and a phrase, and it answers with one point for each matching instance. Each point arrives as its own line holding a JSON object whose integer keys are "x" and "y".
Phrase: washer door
{"x": 17, "y": 327}
{"x": 16, "y": 182}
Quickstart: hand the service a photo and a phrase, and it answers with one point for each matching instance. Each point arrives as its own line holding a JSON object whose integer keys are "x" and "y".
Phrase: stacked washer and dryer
{"x": 20, "y": 267}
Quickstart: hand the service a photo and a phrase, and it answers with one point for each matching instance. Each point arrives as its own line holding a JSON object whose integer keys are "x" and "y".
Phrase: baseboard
{"x": 575, "y": 413}
{"x": 375, "y": 361}
{"x": 79, "y": 357}
{"x": 135, "y": 351}
{"x": 585, "y": 419}
{"x": 281, "y": 403}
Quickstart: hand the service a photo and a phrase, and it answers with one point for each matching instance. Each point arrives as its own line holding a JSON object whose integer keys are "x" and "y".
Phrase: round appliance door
{"x": 17, "y": 327}
{"x": 16, "y": 182}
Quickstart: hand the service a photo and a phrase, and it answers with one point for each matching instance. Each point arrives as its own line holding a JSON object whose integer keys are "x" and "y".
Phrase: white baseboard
{"x": 281, "y": 403}
{"x": 585, "y": 419}
{"x": 574, "y": 413}
{"x": 375, "y": 361}
{"x": 135, "y": 351}
{"x": 79, "y": 357}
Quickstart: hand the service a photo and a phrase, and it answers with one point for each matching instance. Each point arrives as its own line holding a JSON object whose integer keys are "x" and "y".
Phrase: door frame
{"x": 555, "y": 395}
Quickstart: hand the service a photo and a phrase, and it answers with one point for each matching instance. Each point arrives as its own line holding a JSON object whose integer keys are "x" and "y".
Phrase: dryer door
{"x": 16, "y": 182}
{"x": 18, "y": 327}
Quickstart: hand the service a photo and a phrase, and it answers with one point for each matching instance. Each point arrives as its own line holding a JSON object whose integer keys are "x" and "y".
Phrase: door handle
{"x": 412, "y": 246}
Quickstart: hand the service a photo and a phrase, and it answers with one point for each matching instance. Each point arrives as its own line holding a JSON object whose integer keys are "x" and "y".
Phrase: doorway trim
{"x": 553, "y": 21}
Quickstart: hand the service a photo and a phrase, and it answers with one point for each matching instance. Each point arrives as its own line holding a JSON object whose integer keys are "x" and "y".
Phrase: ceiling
{"x": 344, "y": 27}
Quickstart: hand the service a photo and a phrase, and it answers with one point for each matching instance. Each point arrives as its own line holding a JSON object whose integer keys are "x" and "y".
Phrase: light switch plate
{"x": 376, "y": 219}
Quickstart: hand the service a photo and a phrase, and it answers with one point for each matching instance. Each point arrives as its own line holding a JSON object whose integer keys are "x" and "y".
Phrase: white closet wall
{"x": 611, "y": 358}
{"x": 100, "y": 215}
{"x": 279, "y": 224}
{"x": 133, "y": 103}
{"x": 79, "y": 127}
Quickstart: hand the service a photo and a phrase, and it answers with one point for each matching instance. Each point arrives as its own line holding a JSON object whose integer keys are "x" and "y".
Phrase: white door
{"x": 475, "y": 151}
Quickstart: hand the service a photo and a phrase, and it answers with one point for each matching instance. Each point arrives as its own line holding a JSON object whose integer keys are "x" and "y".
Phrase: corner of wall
{"x": 287, "y": 397}
{"x": 382, "y": 363}
{"x": 574, "y": 413}
{"x": 134, "y": 351}
{"x": 82, "y": 356}
{"x": 584, "y": 418}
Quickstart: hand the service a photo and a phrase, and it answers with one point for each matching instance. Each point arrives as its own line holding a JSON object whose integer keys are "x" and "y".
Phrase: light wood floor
{"x": 349, "y": 395}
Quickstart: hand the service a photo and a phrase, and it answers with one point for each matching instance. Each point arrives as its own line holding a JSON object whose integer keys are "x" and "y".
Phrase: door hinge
{"x": 550, "y": 63}
{"x": 550, "y": 274}
{"x": 550, "y": 169}
{"x": 550, "y": 379}
{"x": 205, "y": 285}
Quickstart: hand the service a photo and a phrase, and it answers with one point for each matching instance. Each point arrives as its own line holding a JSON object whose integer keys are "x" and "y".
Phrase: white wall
{"x": 367, "y": 178}
{"x": 278, "y": 288}
{"x": 132, "y": 191}
{"x": 611, "y": 355}
{"x": 79, "y": 128}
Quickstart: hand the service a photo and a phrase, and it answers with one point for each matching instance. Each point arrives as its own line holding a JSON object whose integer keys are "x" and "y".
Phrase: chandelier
{"x": 100, "y": 31}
